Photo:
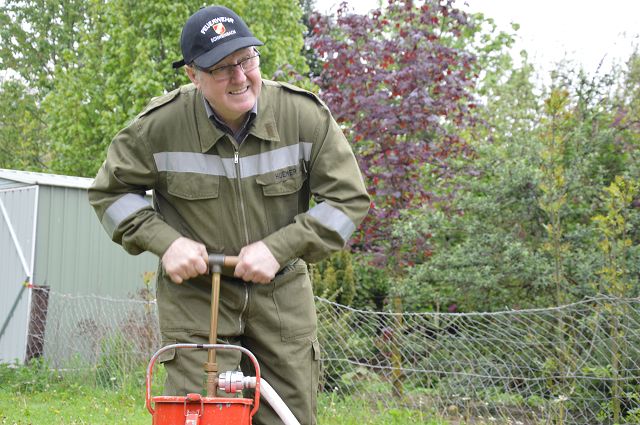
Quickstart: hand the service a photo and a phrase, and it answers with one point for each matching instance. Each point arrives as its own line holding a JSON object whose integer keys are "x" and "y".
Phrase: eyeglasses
{"x": 226, "y": 72}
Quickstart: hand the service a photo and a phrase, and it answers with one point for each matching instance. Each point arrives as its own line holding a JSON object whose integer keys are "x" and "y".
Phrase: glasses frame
{"x": 226, "y": 72}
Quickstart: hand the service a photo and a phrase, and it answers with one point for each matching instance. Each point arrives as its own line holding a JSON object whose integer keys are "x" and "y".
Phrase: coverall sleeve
{"x": 340, "y": 195}
{"x": 118, "y": 196}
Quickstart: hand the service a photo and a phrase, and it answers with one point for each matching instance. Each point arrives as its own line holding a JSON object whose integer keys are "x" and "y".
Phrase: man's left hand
{"x": 257, "y": 264}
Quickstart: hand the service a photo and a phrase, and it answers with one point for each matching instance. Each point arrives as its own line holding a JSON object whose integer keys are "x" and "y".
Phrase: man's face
{"x": 232, "y": 97}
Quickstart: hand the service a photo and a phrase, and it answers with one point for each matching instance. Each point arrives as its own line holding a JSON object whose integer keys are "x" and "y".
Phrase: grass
{"x": 79, "y": 406}
{"x": 35, "y": 395}
{"x": 334, "y": 410}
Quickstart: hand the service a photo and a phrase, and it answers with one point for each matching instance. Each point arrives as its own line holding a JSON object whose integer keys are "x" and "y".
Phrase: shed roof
{"x": 30, "y": 177}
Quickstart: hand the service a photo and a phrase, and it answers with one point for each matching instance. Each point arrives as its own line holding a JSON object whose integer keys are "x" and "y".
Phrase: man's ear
{"x": 191, "y": 73}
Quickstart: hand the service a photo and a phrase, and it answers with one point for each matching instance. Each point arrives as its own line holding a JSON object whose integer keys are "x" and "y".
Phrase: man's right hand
{"x": 185, "y": 259}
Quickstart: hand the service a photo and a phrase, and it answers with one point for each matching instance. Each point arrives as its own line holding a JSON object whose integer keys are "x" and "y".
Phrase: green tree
{"x": 484, "y": 233}
{"x": 334, "y": 278}
{"x": 518, "y": 231}
{"x": 22, "y": 129}
{"x": 36, "y": 37}
{"x": 399, "y": 79}
{"x": 616, "y": 279}
{"x": 553, "y": 184}
{"x": 627, "y": 116}
{"x": 619, "y": 250}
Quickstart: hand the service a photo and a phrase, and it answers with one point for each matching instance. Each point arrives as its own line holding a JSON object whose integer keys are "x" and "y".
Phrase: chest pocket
{"x": 192, "y": 196}
{"x": 282, "y": 182}
{"x": 282, "y": 195}
{"x": 193, "y": 186}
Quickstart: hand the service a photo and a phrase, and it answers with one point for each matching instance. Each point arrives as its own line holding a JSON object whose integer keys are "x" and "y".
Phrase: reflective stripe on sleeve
{"x": 121, "y": 209}
{"x": 334, "y": 219}
{"x": 253, "y": 165}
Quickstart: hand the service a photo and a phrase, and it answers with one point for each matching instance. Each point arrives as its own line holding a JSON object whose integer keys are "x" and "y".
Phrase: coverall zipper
{"x": 236, "y": 161}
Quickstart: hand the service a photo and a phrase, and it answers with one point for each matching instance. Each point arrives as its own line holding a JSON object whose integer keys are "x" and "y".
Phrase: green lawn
{"x": 32, "y": 396}
{"x": 84, "y": 405}
{"x": 72, "y": 406}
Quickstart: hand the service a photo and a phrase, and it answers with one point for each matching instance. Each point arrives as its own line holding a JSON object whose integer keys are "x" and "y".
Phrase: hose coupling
{"x": 235, "y": 382}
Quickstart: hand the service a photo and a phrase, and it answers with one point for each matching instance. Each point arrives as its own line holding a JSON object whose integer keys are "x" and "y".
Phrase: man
{"x": 233, "y": 161}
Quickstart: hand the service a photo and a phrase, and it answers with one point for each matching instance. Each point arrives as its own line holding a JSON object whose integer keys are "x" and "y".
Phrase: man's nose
{"x": 238, "y": 73}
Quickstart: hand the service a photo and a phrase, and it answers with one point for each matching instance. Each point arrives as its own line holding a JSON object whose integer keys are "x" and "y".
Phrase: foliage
{"x": 22, "y": 133}
{"x": 618, "y": 251}
{"x": 334, "y": 278}
{"x": 311, "y": 57}
{"x": 626, "y": 121}
{"x": 372, "y": 285}
{"x": 616, "y": 245}
{"x": 353, "y": 280}
{"x": 484, "y": 241}
{"x": 93, "y": 65}
{"x": 35, "y": 377}
{"x": 627, "y": 117}
{"x": 517, "y": 179}
{"x": 553, "y": 185}
{"x": 39, "y": 36}
{"x": 519, "y": 230}
{"x": 399, "y": 81}
{"x": 116, "y": 364}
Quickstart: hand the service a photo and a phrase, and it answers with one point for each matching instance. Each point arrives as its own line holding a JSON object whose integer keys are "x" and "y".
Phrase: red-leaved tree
{"x": 399, "y": 81}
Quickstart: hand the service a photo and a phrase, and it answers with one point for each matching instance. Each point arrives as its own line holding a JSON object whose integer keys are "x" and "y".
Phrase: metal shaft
{"x": 216, "y": 261}
{"x": 212, "y": 367}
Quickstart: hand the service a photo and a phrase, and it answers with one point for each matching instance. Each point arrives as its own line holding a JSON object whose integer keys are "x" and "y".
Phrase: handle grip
{"x": 217, "y": 261}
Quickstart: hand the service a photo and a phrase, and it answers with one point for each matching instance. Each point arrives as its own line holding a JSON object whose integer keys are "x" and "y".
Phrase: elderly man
{"x": 233, "y": 161}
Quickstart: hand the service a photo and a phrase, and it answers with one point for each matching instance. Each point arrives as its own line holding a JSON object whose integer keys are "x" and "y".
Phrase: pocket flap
{"x": 282, "y": 182}
{"x": 193, "y": 185}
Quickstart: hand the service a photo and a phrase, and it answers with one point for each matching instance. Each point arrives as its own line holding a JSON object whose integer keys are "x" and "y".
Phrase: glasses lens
{"x": 223, "y": 73}
{"x": 251, "y": 63}
{"x": 226, "y": 72}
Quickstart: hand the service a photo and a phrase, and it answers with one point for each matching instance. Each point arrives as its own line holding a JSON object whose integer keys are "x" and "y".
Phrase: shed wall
{"x": 17, "y": 217}
{"x": 74, "y": 255}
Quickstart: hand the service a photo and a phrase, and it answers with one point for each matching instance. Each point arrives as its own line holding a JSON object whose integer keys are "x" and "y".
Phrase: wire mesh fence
{"x": 573, "y": 364}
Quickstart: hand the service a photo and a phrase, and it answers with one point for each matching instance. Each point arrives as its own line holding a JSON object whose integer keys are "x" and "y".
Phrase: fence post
{"x": 396, "y": 352}
{"x": 37, "y": 322}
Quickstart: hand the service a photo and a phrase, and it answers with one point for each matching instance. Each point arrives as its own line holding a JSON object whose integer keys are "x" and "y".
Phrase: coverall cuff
{"x": 161, "y": 241}
{"x": 281, "y": 247}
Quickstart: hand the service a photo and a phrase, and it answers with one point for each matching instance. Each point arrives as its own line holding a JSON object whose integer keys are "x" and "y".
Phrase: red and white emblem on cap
{"x": 219, "y": 29}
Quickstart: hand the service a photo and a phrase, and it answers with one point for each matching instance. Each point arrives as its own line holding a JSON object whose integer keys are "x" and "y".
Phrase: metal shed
{"x": 50, "y": 238}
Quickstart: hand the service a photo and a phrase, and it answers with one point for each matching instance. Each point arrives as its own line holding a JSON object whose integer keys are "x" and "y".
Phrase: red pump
{"x": 194, "y": 409}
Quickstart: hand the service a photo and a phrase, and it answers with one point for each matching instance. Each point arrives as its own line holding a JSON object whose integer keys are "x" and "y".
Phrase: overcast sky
{"x": 584, "y": 31}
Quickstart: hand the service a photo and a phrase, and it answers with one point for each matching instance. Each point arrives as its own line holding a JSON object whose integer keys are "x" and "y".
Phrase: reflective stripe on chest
{"x": 286, "y": 158}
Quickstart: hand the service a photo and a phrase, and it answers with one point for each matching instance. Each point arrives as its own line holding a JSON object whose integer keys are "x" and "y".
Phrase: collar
{"x": 264, "y": 123}
{"x": 244, "y": 129}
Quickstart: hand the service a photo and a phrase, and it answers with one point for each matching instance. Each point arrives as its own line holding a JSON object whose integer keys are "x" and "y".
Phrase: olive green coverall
{"x": 208, "y": 188}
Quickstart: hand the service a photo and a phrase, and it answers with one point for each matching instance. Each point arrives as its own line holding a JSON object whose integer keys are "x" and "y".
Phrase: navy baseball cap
{"x": 211, "y": 34}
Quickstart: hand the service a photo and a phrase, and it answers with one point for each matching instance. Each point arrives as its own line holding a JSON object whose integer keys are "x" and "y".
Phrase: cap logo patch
{"x": 214, "y": 21}
{"x": 219, "y": 29}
